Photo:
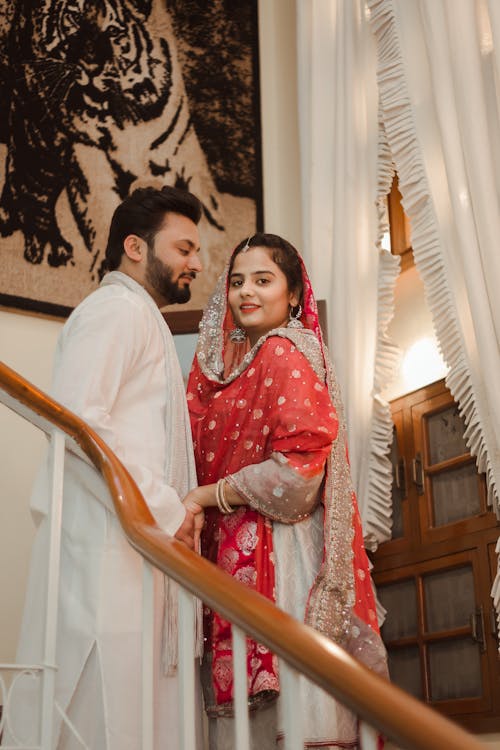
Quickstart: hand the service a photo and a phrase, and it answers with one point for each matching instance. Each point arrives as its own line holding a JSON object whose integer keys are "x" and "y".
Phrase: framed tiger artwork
{"x": 101, "y": 96}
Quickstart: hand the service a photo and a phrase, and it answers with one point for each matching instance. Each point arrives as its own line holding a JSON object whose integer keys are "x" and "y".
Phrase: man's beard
{"x": 159, "y": 277}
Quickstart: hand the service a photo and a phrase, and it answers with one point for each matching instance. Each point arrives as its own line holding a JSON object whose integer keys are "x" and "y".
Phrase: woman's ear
{"x": 294, "y": 299}
{"x": 134, "y": 247}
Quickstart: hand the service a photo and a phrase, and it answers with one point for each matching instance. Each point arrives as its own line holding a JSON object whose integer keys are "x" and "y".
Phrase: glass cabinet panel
{"x": 449, "y": 598}
{"x": 446, "y": 435}
{"x": 455, "y": 495}
{"x": 405, "y": 670}
{"x": 455, "y": 669}
{"x": 400, "y": 601}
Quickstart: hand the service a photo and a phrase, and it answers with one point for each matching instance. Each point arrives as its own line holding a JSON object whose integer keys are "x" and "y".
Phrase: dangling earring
{"x": 294, "y": 319}
{"x": 237, "y": 336}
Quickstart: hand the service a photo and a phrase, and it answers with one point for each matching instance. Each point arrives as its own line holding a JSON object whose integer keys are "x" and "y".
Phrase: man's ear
{"x": 134, "y": 247}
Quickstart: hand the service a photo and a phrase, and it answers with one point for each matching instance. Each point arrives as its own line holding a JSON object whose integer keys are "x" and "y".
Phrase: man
{"x": 117, "y": 368}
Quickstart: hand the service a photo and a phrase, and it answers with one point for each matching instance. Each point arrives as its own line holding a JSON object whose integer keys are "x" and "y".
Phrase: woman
{"x": 271, "y": 456}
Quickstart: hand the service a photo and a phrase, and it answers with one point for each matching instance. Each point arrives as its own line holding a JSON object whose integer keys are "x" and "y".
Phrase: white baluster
{"x": 147, "y": 656}
{"x": 186, "y": 670}
{"x": 75, "y": 733}
{"x": 368, "y": 737}
{"x": 291, "y": 706}
{"x": 56, "y": 458}
{"x": 242, "y": 736}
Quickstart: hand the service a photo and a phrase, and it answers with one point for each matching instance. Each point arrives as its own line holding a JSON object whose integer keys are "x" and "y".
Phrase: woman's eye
{"x": 262, "y": 281}
{"x": 235, "y": 283}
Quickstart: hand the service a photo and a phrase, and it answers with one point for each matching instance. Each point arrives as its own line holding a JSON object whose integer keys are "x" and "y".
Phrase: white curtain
{"x": 438, "y": 74}
{"x": 343, "y": 195}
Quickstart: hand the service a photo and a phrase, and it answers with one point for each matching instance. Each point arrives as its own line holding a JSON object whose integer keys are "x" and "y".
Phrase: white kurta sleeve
{"x": 100, "y": 348}
{"x": 162, "y": 499}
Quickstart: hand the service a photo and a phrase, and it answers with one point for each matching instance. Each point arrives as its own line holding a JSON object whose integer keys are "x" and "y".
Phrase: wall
{"x": 411, "y": 329}
{"x": 27, "y": 343}
{"x": 280, "y": 152}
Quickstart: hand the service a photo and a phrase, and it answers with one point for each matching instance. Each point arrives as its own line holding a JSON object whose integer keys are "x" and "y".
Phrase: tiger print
{"x": 88, "y": 74}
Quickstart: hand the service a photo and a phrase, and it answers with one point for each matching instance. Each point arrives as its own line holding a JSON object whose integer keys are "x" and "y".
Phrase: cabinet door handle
{"x": 400, "y": 476}
{"x": 493, "y": 622}
{"x": 418, "y": 473}
{"x": 477, "y": 627}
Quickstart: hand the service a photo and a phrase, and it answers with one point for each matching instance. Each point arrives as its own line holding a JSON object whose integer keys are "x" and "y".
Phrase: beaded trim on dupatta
{"x": 332, "y": 596}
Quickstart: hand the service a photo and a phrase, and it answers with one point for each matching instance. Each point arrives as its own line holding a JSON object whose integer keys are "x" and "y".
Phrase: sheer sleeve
{"x": 286, "y": 485}
{"x": 277, "y": 490}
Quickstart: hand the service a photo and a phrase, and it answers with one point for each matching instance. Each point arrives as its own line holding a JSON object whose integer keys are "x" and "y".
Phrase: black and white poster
{"x": 100, "y": 96}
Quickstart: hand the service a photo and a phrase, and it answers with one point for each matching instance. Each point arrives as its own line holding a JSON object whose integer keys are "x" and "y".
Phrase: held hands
{"x": 186, "y": 531}
{"x": 194, "y": 502}
{"x": 206, "y": 497}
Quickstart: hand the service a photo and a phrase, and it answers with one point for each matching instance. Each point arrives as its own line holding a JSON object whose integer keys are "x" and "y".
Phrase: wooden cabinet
{"x": 435, "y": 575}
{"x": 399, "y": 224}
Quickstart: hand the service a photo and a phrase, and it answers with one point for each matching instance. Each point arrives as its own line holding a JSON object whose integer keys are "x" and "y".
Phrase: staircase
{"x": 380, "y": 706}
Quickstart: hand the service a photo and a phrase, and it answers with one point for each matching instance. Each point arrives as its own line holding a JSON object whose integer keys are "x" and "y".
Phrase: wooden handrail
{"x": 405, "y": 720}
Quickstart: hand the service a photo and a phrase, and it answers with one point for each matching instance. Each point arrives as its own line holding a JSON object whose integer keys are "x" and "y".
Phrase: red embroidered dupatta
{"x": 270, "y": 421}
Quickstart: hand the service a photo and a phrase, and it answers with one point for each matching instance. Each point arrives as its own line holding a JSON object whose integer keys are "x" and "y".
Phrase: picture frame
{"x": 196, "y": 130}
{"x": 183, "y": 321}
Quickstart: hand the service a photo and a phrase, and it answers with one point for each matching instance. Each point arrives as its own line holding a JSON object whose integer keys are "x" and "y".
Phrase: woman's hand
{"x": 203, "y": 497}
{"x": 206, "y": 497}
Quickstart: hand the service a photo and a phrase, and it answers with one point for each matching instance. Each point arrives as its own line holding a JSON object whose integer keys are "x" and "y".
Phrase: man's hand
{"x": 185, "y": 532}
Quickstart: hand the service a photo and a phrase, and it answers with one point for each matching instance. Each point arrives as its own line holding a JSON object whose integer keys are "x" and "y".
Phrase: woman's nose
{"x": 246, "y": 289}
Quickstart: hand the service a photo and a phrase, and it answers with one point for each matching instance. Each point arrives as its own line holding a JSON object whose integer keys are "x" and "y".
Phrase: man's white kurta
{"x": 115, "y": 367}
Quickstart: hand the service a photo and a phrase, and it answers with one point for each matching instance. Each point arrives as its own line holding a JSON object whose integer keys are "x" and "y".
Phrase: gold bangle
{"x": 219, "y": 497}
{"x": 222, "y": 502}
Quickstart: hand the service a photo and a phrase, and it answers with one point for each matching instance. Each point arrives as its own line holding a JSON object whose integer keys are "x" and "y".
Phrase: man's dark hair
{"x": 143, "y": 214}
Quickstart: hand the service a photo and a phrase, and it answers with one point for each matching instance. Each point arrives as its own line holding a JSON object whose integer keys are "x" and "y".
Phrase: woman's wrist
{"x": 222, "y": 501}
{"x": 232, "y": 497}
{"x": 206, "y": 495}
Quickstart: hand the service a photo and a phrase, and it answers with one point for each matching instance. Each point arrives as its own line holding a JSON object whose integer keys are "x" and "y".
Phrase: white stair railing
{"x": 301, "y": 650}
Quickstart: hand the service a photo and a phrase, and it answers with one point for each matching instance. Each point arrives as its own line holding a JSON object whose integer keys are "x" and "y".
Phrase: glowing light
{"x": 386, "y": 242}
{"x": 484, "y": 27}
{"x": 422, "y": 364}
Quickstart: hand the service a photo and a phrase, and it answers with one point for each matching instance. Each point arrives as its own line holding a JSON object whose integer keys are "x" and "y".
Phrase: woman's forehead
{"x": 253, "y": 260}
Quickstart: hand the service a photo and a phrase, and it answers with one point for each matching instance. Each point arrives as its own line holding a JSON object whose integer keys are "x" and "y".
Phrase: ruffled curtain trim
{"x": 378, "y": 518}
{"x": 402, "y": 139}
